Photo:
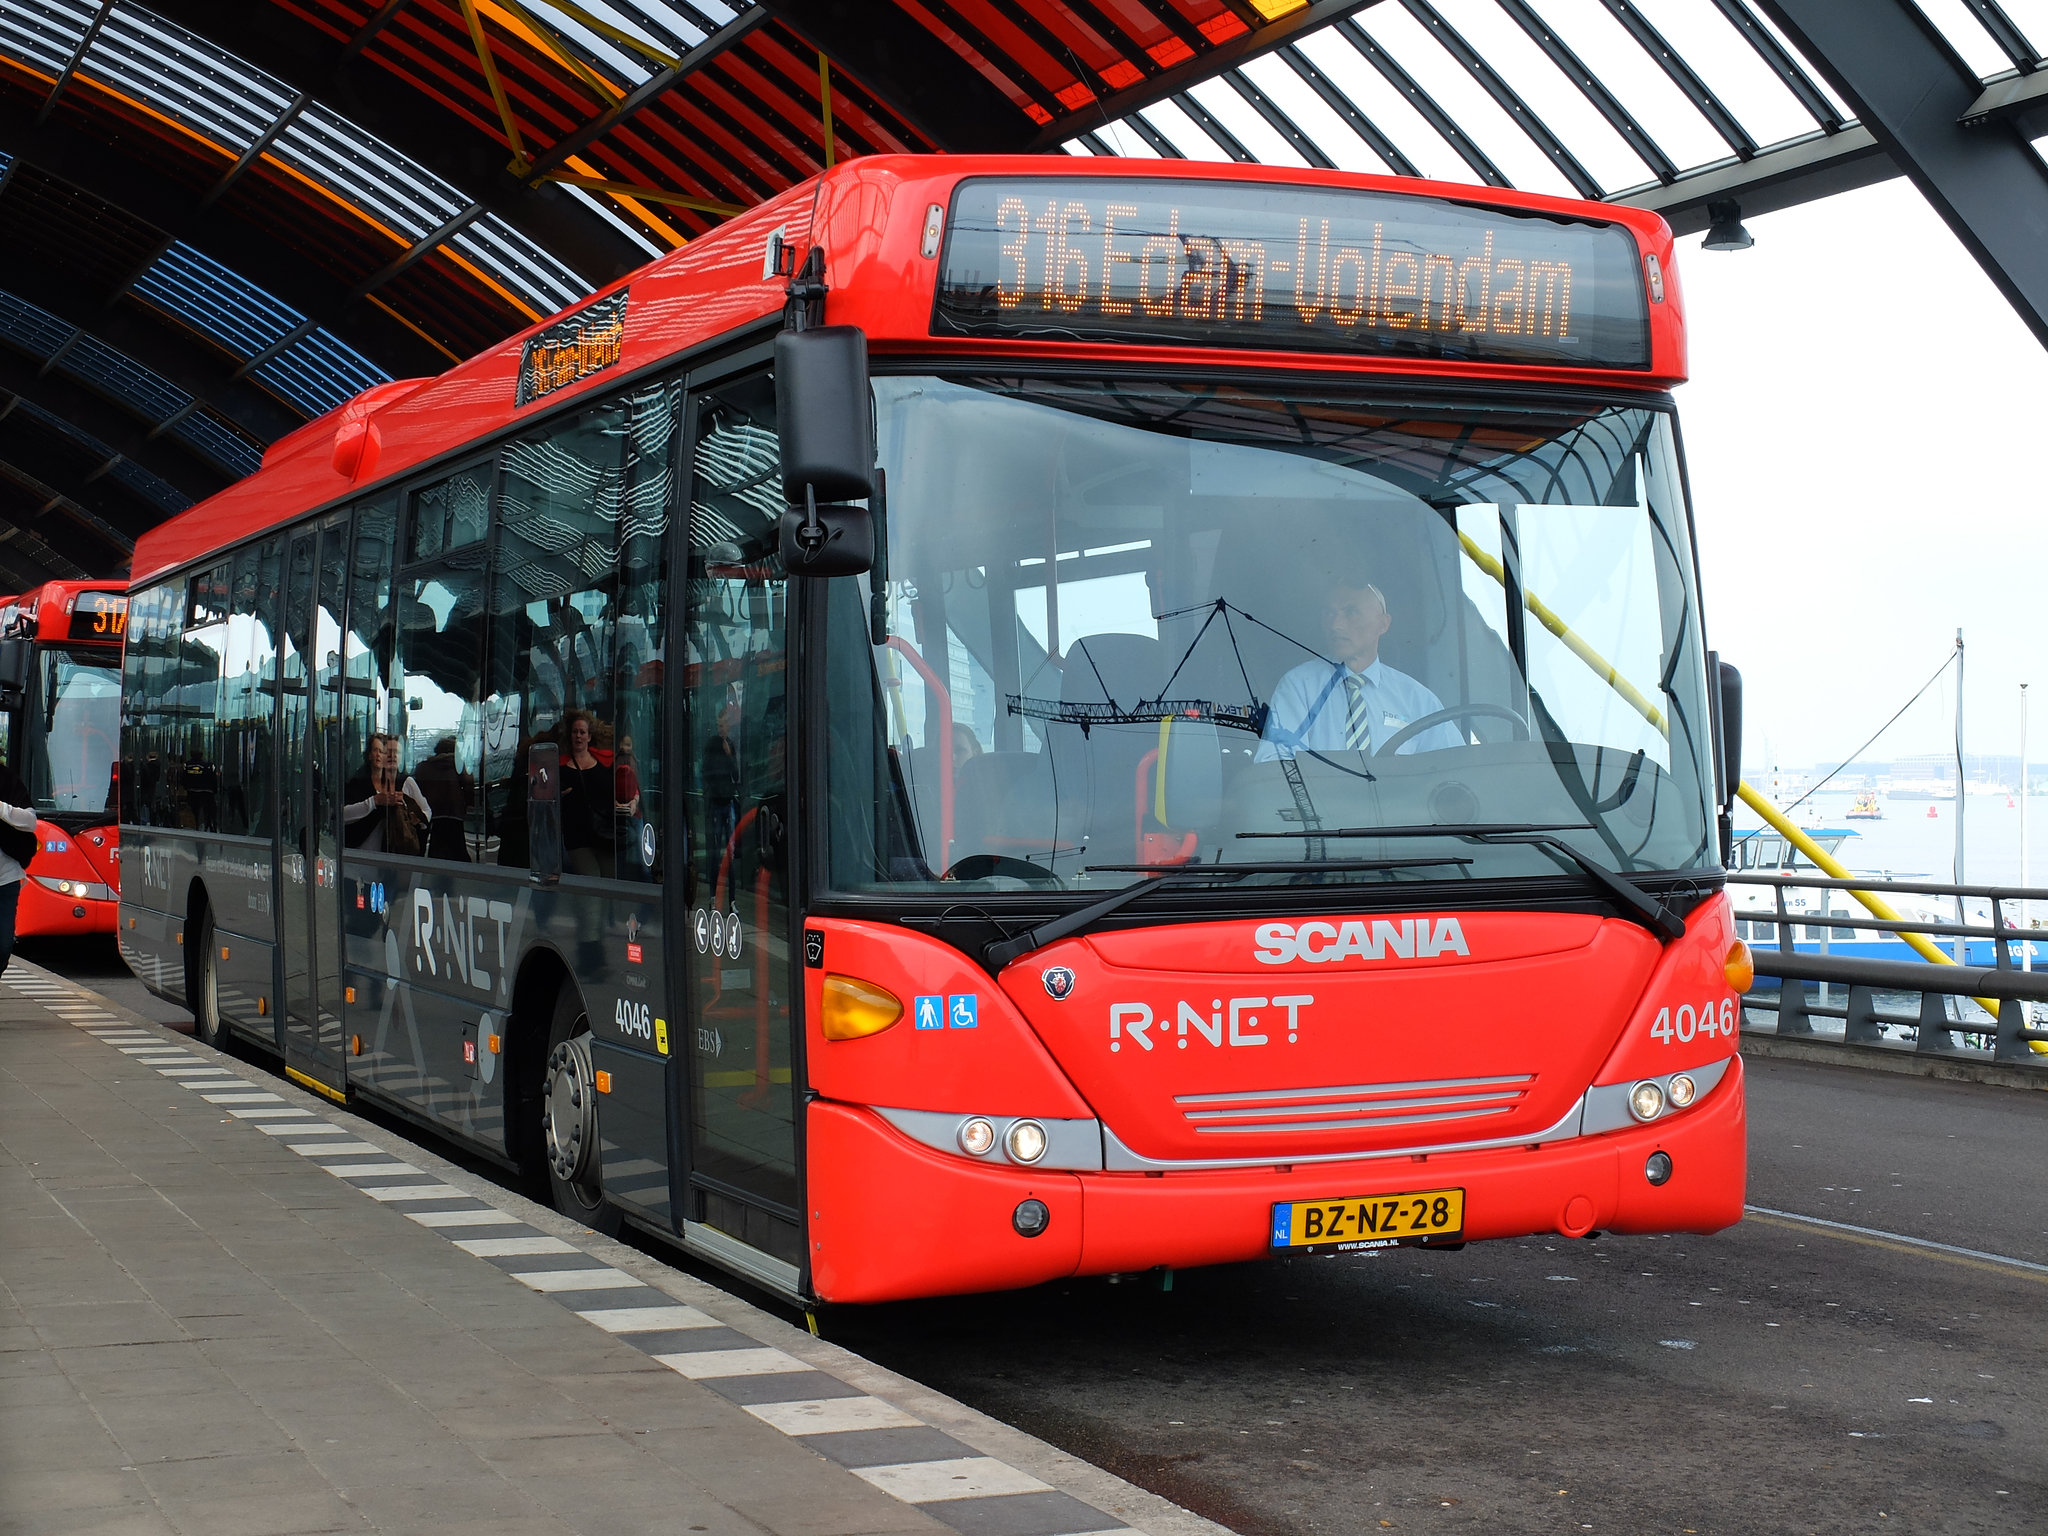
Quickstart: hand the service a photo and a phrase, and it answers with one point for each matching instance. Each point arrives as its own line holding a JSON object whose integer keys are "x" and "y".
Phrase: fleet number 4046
{"x": 1707, "y": 1019}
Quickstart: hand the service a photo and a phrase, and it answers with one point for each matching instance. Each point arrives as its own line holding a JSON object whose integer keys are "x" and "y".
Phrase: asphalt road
{"x": 1779, "y": 1377}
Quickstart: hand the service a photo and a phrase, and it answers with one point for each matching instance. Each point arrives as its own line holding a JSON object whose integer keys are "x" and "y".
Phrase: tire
{"x": 568, "y": 1131}
{"x": 206, "y": 1021}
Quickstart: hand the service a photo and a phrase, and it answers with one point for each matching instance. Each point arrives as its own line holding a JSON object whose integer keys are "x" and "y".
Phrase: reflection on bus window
{"x": 75, "y": 737}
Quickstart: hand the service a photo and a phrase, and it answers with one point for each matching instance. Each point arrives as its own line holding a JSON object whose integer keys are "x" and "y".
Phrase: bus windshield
{"x": 74, "y": 733}
{"x": 1128, "y": 625}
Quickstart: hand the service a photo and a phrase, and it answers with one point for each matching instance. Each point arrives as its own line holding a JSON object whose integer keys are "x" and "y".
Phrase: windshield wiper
{"x": 1080, "y": 919}
{"x": 1634, "y": 900}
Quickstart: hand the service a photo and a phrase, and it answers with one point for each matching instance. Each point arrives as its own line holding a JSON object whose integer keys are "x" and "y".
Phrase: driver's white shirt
{"x": 1309, "y": 708}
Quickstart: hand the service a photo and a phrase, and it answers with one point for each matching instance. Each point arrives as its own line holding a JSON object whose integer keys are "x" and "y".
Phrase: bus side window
{"x": 438, "y": 675}
{"x": 554, "y": 622}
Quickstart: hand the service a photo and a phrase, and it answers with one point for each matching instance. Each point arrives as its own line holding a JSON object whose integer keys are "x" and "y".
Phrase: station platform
{"x": 229, "y": 1307}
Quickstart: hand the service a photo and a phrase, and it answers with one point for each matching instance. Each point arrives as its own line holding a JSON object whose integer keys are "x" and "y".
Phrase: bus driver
{"x": 1356, "y": 701}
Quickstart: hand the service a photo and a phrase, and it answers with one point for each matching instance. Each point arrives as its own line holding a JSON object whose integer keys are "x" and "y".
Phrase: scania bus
{"x": 62, "y": 729}
{"x": 992, "y": 719}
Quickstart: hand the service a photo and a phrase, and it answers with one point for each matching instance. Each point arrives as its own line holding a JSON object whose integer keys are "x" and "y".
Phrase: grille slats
{"x": 1356, "y": 1106}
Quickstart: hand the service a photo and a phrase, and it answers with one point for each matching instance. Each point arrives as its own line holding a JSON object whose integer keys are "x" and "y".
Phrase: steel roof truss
{"x": 1590, "y": 86}
{"x": 1682, "y": 74}
{"x": 650, "y": 90}
{"x": 1205, "y": 120}
{"x": 2007, "y": 34}
{"x": 92, "y": 31}
{"x": 1278, "y": 120}
{"x": 1505, "y": 97}
{"x": 1788, "y": 69}
{"x": 1162, "y": 146}
{"x": 1424, "y": 104}
{"x": 1346, "y": 108}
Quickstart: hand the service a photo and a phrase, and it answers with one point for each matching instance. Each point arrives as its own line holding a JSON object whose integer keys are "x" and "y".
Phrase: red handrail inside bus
{"x": 945, "y": 698}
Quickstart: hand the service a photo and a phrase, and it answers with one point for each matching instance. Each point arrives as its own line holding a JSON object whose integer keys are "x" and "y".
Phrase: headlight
{"x": 977, "y": 1136}
{"x": 1026, "y": 1141}
{"x": 1646, "y": 1101}
{"x": 1683, "y": 1091}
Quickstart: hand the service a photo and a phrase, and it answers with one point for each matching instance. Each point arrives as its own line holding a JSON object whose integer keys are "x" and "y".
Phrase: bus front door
{"x": 309, "y": 793}
{"x": 742, "y": 1104}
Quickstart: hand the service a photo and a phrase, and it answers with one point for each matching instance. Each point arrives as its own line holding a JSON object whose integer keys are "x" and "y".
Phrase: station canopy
{"x": 226, "y": 217}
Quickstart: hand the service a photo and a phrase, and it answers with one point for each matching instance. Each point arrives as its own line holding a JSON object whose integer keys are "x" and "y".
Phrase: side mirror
{"x": 825, "y": 418}
{"x": 15, "y": 659}
{"x": 1730, "y": 682}
{"x": 824, "y": 414}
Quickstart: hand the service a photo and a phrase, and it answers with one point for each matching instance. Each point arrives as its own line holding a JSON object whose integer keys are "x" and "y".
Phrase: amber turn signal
{"x": 856, "y": 1008}
{"x": 1739, "y": 967}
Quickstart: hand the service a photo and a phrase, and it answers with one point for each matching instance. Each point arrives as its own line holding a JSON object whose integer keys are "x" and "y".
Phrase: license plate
{"x": 1369, "y": 1221}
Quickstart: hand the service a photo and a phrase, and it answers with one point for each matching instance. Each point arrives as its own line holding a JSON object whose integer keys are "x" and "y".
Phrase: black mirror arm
{"x": 806, "y": 293}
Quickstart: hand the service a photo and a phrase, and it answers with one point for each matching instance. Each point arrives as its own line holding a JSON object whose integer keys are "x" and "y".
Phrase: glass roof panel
{"x": 1551, "y": 96}
{"x": 36, "y": 331}
{"x": 341, "y": 156}
{"x": 2031, "y": 17}
{"x": 44, "y": 32}
{"x": 495, "y": 245}
{"x": 320, "y": 372}
{"x": 219, "y": 442}
{"x": 1181, "y": 132}
{"x": 148, "y": 393}
{"x": 1125, "y": 140}
{"x": 314, "y": 374}
{"x": 145, "y": 484}
{"x": 216, "y": 302}
{"x": 1315, "y": 118}
{"x": 1251, "y": 130}
{"x": 1636, "y": 80}
{"x": 1386, "y": 107}
{"x": 185, "y": 77}
{"x": 1842, "y": 108}
{"x": 1454, "y": 88}
{"x": 1954, "y": 21}
{"x": 1735, "y": 72}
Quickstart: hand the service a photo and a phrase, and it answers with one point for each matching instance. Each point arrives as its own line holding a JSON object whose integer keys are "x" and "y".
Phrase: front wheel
{"x": 568, "y": 1119}
{"x": 206, "y": 1024}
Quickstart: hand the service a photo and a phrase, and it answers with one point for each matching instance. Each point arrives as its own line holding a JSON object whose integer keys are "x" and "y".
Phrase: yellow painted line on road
{"x": 1898, "y": 1242}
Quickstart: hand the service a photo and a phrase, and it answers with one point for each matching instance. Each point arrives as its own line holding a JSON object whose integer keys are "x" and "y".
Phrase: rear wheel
{"x": 206, "y": 1024}
{"x": 568, "y": 1118}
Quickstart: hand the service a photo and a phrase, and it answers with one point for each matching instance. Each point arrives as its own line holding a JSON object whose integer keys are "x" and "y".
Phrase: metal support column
{"x": 1912, "y": 91}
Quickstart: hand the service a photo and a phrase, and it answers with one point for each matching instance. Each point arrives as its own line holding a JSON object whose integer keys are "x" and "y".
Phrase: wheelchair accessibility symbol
{"x": 962, "y": 1008}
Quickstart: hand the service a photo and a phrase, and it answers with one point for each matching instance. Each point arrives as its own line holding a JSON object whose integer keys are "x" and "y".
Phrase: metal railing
{"x": 1937, "y": 1027}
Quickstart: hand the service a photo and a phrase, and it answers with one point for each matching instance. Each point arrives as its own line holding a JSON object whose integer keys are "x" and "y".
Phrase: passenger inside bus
{"x": 448, "y": 793}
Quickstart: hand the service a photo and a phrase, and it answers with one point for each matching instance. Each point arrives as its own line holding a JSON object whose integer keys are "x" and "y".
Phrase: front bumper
{"x": 892, "y": 1219}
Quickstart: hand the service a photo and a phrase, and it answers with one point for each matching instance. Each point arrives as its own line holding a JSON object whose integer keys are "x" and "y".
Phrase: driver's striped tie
{"x": 1357, "y": 718}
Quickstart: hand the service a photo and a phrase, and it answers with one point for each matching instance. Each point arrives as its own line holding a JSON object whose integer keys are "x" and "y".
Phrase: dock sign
{"x": 929, "y": 1011}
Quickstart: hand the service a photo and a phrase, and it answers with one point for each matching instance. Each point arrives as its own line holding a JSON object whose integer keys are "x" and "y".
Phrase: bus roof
{"x": 869, "y": 216}
{"x": 51, "y": 612}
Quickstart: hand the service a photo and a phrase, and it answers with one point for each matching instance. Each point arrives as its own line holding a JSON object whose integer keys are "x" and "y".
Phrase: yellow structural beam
{"x": 1826, "y": 861}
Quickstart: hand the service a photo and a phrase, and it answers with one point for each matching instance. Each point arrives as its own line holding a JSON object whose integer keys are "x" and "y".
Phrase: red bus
{"x": 993, "y": 719}
{"x": 64, "y": 741}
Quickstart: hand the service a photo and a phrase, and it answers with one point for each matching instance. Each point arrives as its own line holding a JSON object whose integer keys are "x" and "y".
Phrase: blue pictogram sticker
{"x": 929, "y": 1012}
{"x": 963, "y": 1008}
{"x": 1283, "y": 1225}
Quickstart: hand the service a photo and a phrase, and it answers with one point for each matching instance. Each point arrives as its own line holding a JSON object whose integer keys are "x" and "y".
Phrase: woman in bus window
{"x": 587, "y": 802}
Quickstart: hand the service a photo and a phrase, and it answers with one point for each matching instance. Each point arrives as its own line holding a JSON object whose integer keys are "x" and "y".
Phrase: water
{"x": 1909, "y": 845}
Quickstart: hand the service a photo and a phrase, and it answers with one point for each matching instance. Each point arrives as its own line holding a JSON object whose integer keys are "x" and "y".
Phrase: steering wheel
{"x": 981, "y": 866}
{"x": 1415, "y": 728}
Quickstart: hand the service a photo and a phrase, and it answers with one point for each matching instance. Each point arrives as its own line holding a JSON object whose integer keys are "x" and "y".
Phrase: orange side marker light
{"x": 1739, "y": 967}
{"x": 854, "y": 1009}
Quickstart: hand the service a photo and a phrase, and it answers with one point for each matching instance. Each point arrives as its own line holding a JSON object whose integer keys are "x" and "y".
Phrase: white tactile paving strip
{"x": 879, "y": 1442}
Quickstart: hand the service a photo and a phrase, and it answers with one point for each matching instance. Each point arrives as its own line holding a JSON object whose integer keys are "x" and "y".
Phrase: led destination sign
{"x": 1305, "y": 269}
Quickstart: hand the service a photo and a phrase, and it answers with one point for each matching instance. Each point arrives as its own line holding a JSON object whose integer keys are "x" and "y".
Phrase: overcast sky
{"x": 1864, "y": 428}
